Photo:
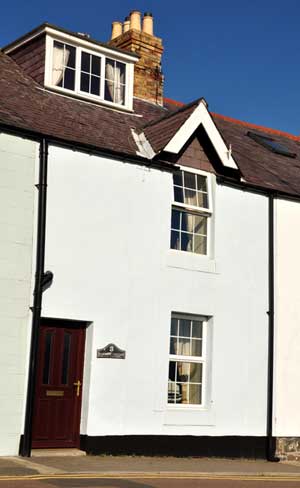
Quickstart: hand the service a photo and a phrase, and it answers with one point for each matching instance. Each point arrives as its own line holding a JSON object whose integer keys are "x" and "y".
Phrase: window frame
{"x": 203, "y": 359}
{"x": 81, "y": 46}
{"x": 206, "y": 212}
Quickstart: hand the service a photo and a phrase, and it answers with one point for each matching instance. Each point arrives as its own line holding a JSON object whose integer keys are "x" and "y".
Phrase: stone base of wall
{"x": 288, "y": 448}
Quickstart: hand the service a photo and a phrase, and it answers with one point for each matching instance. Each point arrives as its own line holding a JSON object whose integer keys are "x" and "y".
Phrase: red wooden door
{"x": 58, "y": 387}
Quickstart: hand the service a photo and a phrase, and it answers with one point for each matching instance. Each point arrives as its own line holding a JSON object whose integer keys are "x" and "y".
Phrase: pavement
{"x": 45, "y": 465}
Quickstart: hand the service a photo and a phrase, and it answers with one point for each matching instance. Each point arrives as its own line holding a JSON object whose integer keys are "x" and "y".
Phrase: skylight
{"x": 271, "y": 144}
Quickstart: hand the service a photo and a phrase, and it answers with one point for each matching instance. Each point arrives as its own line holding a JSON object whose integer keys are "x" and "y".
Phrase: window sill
{"x": 90, "y": 99}
{"x": 190, "y": 261}
{"x": 189, "y": 416}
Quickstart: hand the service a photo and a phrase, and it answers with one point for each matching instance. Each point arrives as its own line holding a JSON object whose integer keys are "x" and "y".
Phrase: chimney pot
{"x": 135, "y": 20}
{"x": 126, "y": 24}
{"x": 148, "y": 23}
{"x": 116, "y": 29}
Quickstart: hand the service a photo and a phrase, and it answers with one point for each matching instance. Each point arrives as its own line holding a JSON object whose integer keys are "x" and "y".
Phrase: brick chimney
{"x": 148, "y": 77}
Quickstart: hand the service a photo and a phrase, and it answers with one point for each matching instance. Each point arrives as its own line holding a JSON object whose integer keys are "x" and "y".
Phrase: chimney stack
{"x": 148, "y": 77}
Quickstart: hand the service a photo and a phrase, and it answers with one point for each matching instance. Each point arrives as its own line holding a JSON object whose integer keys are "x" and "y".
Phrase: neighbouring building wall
{"x": 17, "y": 194}
{"x": 287, "y": 320}
{"x": 108, "y": 240}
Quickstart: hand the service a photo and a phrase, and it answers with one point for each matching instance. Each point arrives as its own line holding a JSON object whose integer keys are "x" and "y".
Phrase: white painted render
{"x": 108, "y": 238}
{"x": 17, "y": 202}
{"x": 287, "y": 319}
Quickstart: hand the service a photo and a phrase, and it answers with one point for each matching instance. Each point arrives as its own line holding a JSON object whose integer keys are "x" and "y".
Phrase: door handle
{"x": 78, "y": 385}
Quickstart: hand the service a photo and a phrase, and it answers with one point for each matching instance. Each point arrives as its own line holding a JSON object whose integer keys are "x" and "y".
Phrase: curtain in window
{"x": 60, "y": 61}
{"x": 114, "y": 73}
{"x": 109, "y": 74}
{"x": 182, "y": 348}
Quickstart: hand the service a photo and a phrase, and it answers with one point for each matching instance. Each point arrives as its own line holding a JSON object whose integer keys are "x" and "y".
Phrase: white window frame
{"x": 103, "y": 53}
{"x": 207, "y": 212}
{"x": 192, "y": 359}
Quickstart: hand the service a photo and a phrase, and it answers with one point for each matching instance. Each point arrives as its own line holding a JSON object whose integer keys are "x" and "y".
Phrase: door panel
{"x": 57, "y": 400}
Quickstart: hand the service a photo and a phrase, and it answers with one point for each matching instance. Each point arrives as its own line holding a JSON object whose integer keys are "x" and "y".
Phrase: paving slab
{"x": 150, "y": 465}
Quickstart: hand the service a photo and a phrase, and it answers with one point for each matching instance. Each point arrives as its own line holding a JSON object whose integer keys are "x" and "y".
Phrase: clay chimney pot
{"x": 135, "y": 20}
{"x": 116, "y": 29}
{"x": 126, "y": 24}
{"x": 148, "y": 23}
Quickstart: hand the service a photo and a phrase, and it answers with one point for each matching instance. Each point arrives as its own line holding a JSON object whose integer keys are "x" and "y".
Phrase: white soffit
{"x": 201, "y": 116}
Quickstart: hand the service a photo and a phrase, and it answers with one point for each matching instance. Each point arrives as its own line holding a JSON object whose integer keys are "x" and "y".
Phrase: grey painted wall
{"x": 17, "y": 201}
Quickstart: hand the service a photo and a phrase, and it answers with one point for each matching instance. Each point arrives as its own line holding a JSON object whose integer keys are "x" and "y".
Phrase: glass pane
{"x": 120, "y": 94}
{"x": 197, "y": 327}
{"x": 186, "y": 242}
{"x": 187, "y": 222}
{"x": 196, "y": 373}
{"x": 66, "y": 356}
{"x": 174, "y": 327}
{"x": 85, "y": 62}
{"x": 110, "y": 69}
{"x": 85, "y": 82}
{"x": 200, "y": 244}
{"x": 70, "y": 54}
{"x": 178, "y": 194}
{"x": 189, "y": 180}
{"x": 109, "y": 91}
{"x": 196, "y": 347}
{"x": 183, "y": 372}
{"x": 47, "y": 358}
{"x": 58, "y": 45}
{"x": 190, "y": 197}
{"x": 177, "y": 178}
{"x": 175, "y": 223}
{"x": 69, "y": 79}
{"x": 96, "y": 65}
{"x": 173, "y": 345}
{"x": 183, "y": 347}
{"x": 195, "y": 394}
{"x": 200, "y": 224}
{"x": 95, "y": 85}
{"x": 175, "y": 240}
{"x": 201, "y": 183}
{"x": 202, "y": 199}
{"x": 184, "y": 328}
{"x": 120, "y": 70}
{"x": 172, "y": 370}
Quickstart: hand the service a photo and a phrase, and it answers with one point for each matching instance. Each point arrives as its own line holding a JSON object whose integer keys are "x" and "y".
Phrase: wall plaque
{"x": 111, "y": 351}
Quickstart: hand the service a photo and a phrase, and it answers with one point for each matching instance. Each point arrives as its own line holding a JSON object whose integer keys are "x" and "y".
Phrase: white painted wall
{"x": 287, "y": 319}
{"x": 17, "y": 172}
{"x": 108, "y": 232}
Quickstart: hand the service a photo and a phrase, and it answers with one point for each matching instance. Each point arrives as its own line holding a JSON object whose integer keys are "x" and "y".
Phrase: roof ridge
{"x": 243, "y": 123}
{"x": 182, "y": 108}
{"x": 256, "y": 126}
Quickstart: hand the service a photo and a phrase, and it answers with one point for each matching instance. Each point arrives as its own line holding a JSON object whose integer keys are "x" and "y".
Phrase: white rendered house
{"x": 164, "y": 229}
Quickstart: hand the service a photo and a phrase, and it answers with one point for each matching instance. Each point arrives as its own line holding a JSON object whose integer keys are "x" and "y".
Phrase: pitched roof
{"x": 160, "y": 132}
{"x": 26, "y": 105}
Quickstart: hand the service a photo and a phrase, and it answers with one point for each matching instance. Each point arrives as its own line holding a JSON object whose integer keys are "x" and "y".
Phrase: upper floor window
{"x": 191, "y": 212}
{"x": 90, "y": 74}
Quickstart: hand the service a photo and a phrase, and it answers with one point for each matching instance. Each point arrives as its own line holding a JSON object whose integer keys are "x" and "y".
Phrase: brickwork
{"x": 148, "y": 79}
{"x": 195, "y": 157}
{"x": 31, "y": 58}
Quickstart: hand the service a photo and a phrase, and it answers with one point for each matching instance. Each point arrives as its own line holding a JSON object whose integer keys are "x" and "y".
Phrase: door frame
{"x": 71, "y": 324}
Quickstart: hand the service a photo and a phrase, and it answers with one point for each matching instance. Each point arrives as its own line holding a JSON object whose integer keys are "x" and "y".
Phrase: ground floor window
{"x": 187, "y": 359}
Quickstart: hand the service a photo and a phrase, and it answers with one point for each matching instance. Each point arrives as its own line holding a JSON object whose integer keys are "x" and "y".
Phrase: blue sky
{"x": 242, "y": 56}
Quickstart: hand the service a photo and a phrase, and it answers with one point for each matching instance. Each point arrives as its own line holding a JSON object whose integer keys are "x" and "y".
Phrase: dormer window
{"x": 89, "y": 72}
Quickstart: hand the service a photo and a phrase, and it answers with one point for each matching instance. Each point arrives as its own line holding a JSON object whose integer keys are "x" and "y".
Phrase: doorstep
{"x": 57, "y": 452}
